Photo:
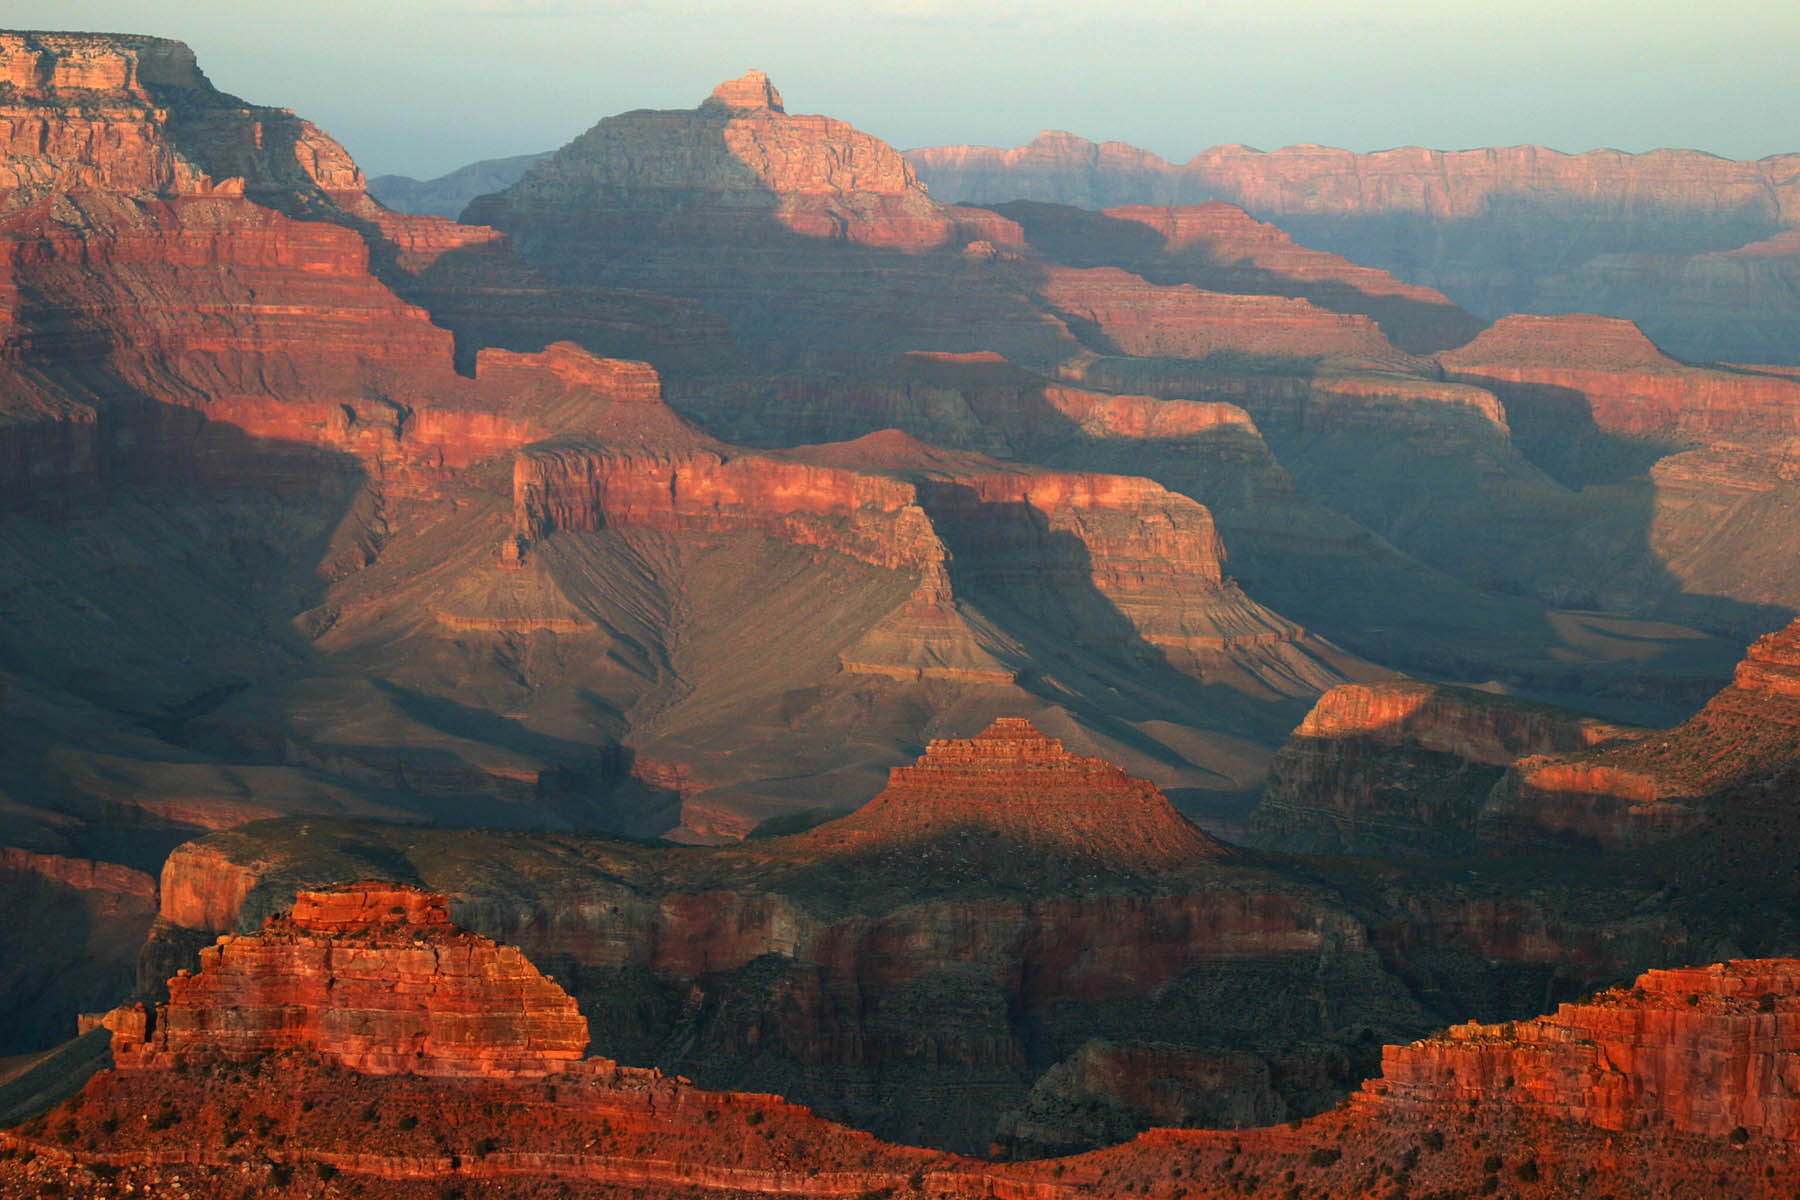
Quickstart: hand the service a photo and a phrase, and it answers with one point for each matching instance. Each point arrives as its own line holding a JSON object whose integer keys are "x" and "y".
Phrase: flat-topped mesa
{"x": 372, "y": 976}
{"x": 1578, "y": 369}
{"x": 1703, "y": 1050}
{"x": 1014, "y": 781}
{"x": 749, "y": 91}
{"x": 736, "y": 167}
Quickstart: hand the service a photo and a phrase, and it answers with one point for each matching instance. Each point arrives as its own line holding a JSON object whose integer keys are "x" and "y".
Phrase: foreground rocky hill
{"x": 1571, "y": 1106}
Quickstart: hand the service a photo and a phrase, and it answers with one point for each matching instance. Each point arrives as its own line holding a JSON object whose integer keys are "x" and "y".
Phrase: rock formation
{"x": 1497, "y": 230}
{"x": 1013, "y": 782}
{"x": 1648, "y": 789}
{"x": 1701, "y": 1050}
{"x": 370, "y": 976}
{"x": 1579, "y": 370}
{"x": 1139, "y": 318}
{"x": 1221, "y": 248}
{"x": 1407, "y": 768}
{"x": 816, "y": 241}
{"x": 1576, "y": 1104}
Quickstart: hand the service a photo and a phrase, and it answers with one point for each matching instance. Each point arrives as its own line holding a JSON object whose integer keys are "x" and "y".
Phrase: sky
{"x": 420, "y": 87}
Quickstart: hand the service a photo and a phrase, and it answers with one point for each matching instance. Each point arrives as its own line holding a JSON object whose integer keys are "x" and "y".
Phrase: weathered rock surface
{"x": 1135, "y": 317}
{"x": 1406, "y": 768}
{"x": 1702, "y": 1050}
{"x": 816, "y": 241}
{"x": 1583, "y": 1108}
{"x": 1669, "y": 238}
{"x": 1652, "y": 788}
{"x": 1219, "y": 247}
{"x": 1580, "y": 370}
{"x": 370, "y": 976}
{"x": 1012, "y": 781}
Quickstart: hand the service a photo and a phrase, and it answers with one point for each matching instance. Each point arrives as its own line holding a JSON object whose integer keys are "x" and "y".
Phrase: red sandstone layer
{"x": 1012, "y": 780}
{"x": 1648, "y": 789}
{"x": 371, "y": 976}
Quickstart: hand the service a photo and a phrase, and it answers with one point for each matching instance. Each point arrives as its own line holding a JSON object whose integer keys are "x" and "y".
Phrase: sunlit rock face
{"x": 372, "y": 976}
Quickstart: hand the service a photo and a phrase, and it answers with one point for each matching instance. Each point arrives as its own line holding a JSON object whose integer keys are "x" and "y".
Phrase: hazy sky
{"x": 422, "y": 86}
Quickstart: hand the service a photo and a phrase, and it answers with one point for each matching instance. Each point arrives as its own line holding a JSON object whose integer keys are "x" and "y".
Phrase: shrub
{"x": 1324, "y": 1156}
{"x": 1527, "y": 1171}
{"x": 1739, "y": 1136}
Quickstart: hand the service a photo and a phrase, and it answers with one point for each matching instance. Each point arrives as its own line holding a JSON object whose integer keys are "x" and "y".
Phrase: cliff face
{"x": 1578, "y": 371}
{"x": 1576, "y": 1104}
{"x": 1139, "y": 318}
{"x": 371, "y": 976}
{"x": 1650, "y": 789}
{"x": 815, "y": 241}
{"x": 1703, "y": 1050}
{"x": 1654, "y": 237}
{"x": 1219, "y": 247}
{"x": 1406, "y": 768}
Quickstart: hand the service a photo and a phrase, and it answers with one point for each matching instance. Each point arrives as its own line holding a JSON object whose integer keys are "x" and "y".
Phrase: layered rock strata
{"x": 1702, "y": 1050}
{"x": 1655, "y": 787}
{"x": 1581, "y": 370}
{"x": 370, "y": 976}
{"x": 1407, "y": 768}
{"x": 1013, "y": 781}
{"x": 1678, "y": 240}
{"x": 1681, "y": 1087}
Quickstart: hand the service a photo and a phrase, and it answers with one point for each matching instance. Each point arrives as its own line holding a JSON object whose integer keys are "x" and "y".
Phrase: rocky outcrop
{"x": 1497, "y": 230}
{"x": 1219, "y": 247}
{"x": 1139, "y": 318}
{"x": 1635, "y": 1092}
{"x": 370, "y": 976}
{"x": 1580, "y": 371}
{"x": 1703, "y": 1050}
{"x": 1407, "y": 768}
{"x": 814, "y": 240}
{"x": 1658, "y": 786}
{"x": 1013, "y": 782}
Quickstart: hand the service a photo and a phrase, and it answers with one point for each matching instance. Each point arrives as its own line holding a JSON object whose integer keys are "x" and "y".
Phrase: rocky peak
{"x": 1013, "y": 781}
{"x": 751, "y": 90}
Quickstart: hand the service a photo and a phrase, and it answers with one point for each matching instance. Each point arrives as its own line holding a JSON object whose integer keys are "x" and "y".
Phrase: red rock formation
{"x": 1580, "y": 369}
{"x": 1141, "y": 318}
{"x": 1648, "y": 789}
{"x": 1703, "y": 1050}
{"x": 1499, "y": 230}
{"x": 1220, "y": 248}
{"x": 1681, "y": 1087}
{"x": 1405, "y": 768}
{"x": 746, "y": 160}
{"x": 372, "y": 976}
{"x": 1012, "y": 780}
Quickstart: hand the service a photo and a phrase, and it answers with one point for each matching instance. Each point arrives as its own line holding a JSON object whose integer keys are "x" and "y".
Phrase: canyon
{"x": 1683, "y": 1081}
{"x": 723, "y": 670}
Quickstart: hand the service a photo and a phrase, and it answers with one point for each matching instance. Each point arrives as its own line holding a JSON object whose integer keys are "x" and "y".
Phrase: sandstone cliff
{"x": 1661, "y": 237}
{"x": 1407, "y": 768}
{"x": 1575, "y": 1104}
{"x": 1658, "y": 786}
{"x": 369, "y": 976}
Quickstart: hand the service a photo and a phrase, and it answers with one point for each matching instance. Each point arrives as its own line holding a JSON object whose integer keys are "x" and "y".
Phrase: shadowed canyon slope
{"x": 983, "y": 951}
{"x": 1679, "y": 240}
{"x": 462, "y": 583}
